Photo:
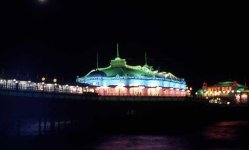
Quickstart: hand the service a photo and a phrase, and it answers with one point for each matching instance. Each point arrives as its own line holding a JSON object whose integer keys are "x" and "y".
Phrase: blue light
{"x": 131, "y": 81}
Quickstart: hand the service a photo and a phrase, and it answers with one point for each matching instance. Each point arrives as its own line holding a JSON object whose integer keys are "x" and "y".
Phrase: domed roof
{"x": 97, "y": 73}
{"x": 119, "y": 67}
{"x": 130, "y": 71}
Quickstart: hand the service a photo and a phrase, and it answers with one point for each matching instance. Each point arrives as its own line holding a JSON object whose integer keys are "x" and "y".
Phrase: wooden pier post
{"x": 39, "y": 126}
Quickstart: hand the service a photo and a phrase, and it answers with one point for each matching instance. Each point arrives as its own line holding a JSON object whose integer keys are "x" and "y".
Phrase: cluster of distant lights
{"x": 218, "y": 101}
{"x": 218, "y": 92}
{"x": 142, "y": 87}
{"x": 239, "y": 96}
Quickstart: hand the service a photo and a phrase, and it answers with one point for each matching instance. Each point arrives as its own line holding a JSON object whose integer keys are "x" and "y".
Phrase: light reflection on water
{"x": 145, "y": 142}
{"x": 219, "y": 135}
{"x": 224, "y": 130}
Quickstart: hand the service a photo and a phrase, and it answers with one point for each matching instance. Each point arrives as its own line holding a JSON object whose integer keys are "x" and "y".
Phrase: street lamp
{"x": 43, "y": 84}
{"x": 16, "y": 84}
{"x": 54, "y": 80}
{"x": 29, "y": 88}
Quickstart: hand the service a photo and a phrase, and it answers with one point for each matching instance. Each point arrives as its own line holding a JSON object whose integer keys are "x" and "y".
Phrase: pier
{"x": 29, "y": 110}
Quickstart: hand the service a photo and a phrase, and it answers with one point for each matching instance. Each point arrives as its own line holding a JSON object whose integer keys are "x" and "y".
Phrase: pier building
{"x": 230, "y": 91}
{"x": 122, "y": 79}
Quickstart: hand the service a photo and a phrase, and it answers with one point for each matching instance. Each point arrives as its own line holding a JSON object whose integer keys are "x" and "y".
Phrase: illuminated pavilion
{"x": 232, "y": 91}
{"x": 121, "y": 79}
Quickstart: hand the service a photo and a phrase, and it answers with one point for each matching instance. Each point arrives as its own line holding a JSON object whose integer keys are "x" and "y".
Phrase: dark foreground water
{"x": 217, "y": 136}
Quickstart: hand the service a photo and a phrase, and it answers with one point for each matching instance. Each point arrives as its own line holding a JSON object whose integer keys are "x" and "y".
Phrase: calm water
{"x": 219, "y": 135}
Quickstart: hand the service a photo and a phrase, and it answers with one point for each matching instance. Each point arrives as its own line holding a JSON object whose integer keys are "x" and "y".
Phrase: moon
{"x": 42, "y": 1}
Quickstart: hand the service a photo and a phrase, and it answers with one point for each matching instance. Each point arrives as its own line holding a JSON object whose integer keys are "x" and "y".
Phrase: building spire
{"x": 145, "y": 58}
{"x": 97, "y": 59}
{"x": 117, "y": 51}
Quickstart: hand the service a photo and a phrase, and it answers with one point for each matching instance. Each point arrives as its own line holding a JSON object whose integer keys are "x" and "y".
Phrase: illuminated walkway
{"x": 10, "y": 87}
{"x": 14, "y": 84}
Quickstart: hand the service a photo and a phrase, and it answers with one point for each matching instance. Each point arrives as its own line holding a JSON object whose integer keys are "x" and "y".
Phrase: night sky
{"x": 195, "y": 41}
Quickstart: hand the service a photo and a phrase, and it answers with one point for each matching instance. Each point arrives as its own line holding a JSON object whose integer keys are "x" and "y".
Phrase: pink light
{"x": 244, "y": 96}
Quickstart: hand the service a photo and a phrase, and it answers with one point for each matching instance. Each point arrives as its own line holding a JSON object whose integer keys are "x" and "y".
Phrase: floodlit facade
{"x": 230, "y": 91}
{"x": 121, "y": 79}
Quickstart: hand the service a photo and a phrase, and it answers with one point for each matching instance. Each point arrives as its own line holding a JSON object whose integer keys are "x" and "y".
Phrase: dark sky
{"x": 196, "y": 41}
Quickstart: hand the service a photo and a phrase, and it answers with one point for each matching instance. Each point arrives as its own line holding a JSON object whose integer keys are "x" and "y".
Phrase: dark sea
{"x": 220, "y": 135}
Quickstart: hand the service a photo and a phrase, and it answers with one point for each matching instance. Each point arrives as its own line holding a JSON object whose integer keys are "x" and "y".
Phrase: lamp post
{"x": 55, "y": 83}
{"x": 43, "y": 83}
{"x": 29, "y": 88}
{"x": 16, "y": 85}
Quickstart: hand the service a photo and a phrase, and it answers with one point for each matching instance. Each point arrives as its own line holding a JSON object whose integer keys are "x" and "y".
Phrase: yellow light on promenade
{"x": 43, "y": 79}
